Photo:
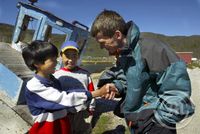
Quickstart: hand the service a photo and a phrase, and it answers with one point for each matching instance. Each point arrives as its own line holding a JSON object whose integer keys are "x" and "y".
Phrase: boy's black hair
{"x": 37, "y": 52}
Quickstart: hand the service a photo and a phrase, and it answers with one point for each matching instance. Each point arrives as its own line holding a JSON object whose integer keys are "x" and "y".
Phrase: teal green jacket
{"x": 157, "y": 80}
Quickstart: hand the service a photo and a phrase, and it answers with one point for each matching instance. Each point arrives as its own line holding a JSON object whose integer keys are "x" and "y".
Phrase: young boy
{"x": 76, "y": 79}
{"x": 47, "y": 102}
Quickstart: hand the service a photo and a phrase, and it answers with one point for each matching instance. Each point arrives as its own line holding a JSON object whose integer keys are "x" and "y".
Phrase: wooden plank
{"x": 10, "y": 84}
{"x": 13, "y": 60}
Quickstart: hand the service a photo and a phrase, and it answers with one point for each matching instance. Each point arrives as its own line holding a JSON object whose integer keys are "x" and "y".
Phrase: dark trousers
{"x": 152, "y": 128}
{"x": 145, "y": 123}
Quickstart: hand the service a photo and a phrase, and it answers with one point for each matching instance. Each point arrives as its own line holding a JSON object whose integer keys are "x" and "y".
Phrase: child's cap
{"x": 69, "y": 45}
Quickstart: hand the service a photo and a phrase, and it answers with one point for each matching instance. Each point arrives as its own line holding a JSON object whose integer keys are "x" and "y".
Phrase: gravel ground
{"x": 191, "y": 125}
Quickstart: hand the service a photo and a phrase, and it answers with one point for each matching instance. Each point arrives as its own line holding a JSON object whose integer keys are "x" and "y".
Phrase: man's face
{"x": 111, "y": 44}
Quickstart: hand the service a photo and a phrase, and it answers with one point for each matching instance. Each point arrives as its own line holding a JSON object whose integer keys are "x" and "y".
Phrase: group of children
{"x": 60, "y": 101}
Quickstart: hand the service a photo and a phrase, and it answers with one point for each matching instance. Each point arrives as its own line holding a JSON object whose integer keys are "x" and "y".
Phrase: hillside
{"x": 6, "y": 31}
{"x": 178, "y": 43}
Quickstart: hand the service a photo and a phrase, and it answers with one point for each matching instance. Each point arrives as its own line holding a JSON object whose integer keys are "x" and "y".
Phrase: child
{"x": 75, "y": 79}
{"x": 47, "y": 102}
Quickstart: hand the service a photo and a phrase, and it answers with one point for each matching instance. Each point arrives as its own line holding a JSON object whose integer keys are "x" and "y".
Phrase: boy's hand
{"x": 111, "y": 91}
{"x": 107, "y": 91}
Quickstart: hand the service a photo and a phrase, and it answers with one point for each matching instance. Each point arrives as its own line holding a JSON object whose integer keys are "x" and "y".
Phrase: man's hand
{"x": 112, "y": 90}
{"x": 107, "y": 91}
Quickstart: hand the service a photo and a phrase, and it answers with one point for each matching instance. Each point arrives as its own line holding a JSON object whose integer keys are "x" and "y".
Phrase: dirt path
{"x": 191, "y": 125}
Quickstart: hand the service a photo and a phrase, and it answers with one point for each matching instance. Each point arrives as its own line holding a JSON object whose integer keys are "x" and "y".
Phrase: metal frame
{"x": 74, "y": 31}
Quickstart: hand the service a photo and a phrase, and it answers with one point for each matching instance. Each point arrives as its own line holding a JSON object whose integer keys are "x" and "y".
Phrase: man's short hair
{"x": 107, "y": 22}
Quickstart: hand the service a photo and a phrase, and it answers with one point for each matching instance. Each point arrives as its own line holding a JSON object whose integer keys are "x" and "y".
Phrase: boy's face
{"x": 69, "y": 58}
{"x": 47, "y": 68}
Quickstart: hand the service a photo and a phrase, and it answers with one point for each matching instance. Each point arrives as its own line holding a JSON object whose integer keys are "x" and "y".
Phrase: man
{"x": 158, "y": 85}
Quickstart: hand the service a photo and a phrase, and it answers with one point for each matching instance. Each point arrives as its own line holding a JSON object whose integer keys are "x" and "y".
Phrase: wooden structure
{"x": 12, "y": 63}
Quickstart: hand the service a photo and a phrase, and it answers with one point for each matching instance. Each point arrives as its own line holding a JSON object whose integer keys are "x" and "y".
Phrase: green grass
{"x": 178, "y": 43}
{"x": 103, "y": 126}
{"x": 193, "y": 65}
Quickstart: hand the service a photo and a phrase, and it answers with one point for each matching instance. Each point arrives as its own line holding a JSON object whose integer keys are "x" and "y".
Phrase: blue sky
{"x": 168, "y": 17}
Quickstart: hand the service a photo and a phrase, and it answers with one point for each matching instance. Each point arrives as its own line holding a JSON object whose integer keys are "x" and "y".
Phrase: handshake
{"x": 105, "y": 84}
{"x": 107, "y": 91}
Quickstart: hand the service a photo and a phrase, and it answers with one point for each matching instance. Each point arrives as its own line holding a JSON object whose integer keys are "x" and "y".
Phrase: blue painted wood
{"x": 10, "y": 84}
{"x": 76, "y": 31}
{"x": 45, "y": 18}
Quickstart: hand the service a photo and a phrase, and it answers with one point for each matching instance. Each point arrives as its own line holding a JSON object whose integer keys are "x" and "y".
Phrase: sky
{"x": 168, "y": 17}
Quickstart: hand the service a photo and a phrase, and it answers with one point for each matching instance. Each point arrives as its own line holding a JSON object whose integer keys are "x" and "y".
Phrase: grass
{"x": 194, "y": 65}
{"x": 104, "y": 126}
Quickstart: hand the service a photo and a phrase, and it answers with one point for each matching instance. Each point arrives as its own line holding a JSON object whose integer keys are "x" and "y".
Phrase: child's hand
{"x": 112, "y": 91}
{"x": 108, "y": 91}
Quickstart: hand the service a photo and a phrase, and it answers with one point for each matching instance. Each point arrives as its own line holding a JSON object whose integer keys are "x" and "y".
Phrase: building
{"x": 186, "y": 56}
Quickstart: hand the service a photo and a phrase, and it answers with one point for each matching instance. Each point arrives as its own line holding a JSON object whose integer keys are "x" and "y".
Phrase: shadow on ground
{"x": 102, "y": 106}
{"x": 120, "y": 129}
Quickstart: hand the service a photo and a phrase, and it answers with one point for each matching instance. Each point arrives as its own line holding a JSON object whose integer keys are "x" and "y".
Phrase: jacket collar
{"x": 45, "y": 80}
{"x": 132, "y": 35}
{"x": 71, "y": 70}
{"x": 132, "y": 38}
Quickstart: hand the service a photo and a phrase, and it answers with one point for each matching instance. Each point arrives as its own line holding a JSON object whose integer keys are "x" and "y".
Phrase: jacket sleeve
{"x": 116, "y": 76}
{"x": 38, "y": 95}
{"x": 174, "y": 94}
{"x": 174, "y": 87}
{"x": 92, "y": 104}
